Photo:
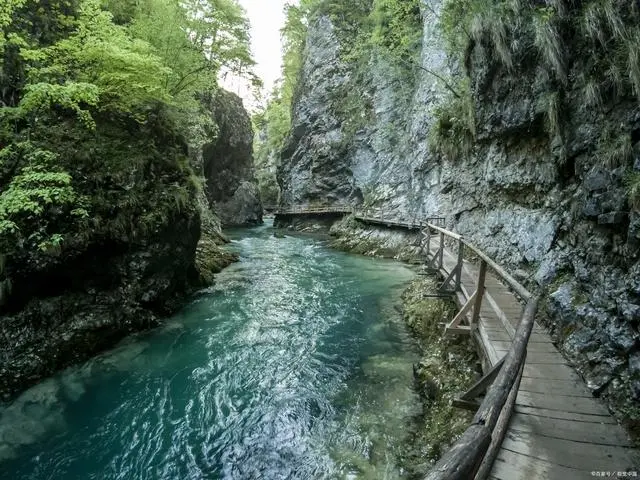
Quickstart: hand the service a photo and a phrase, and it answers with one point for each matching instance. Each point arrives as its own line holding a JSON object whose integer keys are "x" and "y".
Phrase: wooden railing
{"x": 367, "y": 214}
{"x": 388, "y": 217}
{"x": 472, "y": 456}
{"x": 313, "y": 209}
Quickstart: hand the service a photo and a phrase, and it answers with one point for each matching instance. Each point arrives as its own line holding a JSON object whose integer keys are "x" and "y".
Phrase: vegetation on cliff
{"x": 86, "y": 88}
{"x": 99, "y": 209}
{"x": 368, "y": 29}
{"x": 589, "y": 47}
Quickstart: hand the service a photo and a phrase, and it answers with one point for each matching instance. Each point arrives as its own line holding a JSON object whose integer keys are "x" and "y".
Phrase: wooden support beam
{"x": 459, "y": 263}
{"x": 470, "y": 405}
{"x": 482, "y": 275}
{"x": 459, "y": 330}
{"x": 441, "y": 251}
{"x": 463, "y": 312}
{"x": 484, "y": 383}
{"x": 443, "y": 287}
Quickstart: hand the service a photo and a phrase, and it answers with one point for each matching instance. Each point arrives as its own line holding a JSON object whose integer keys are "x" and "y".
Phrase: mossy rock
{"x": 211, "y": 259}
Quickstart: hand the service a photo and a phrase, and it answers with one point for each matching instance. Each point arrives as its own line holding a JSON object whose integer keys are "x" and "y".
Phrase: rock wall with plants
{"x": 518, "y": 121}
{"x": 101, "y": 192}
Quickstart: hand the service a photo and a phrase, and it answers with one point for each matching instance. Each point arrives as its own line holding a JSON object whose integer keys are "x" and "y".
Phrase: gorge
{"x": 132, "y": 188}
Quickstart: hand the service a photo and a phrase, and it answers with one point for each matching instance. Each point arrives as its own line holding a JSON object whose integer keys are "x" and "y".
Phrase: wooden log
{"x": 462, "y": 460}
{"x": 448, "y": 233}
{"x": 500, "y": 429}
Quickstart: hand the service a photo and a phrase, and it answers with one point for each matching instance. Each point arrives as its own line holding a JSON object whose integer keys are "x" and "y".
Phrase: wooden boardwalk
{"x": 558, "y": 430}
{"x": 537, "y": 421}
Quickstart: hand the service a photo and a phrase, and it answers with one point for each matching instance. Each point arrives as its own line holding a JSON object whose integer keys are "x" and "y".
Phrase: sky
{"x": 266, "y": 18}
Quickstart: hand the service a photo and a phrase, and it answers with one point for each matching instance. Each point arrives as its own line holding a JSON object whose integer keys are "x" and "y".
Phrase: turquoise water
{"x": 295, "y": 365}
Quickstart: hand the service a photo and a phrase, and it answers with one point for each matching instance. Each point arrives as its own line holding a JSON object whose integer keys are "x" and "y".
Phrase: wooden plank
{"x": 505, "y": 321}
{"x": 596, "y": 433}
{"x": 563, "y": 403}
{"x": 569, "y": 387}
{"x": 487, "y": 346}
{"x": 500, "y": 334}
{"x": 515, "y": 466}
{"x": 551, "y": 372}
{"x": 567, "y": 453}
{"x": 574, "y": 417}
{"x": 541, "y": 358}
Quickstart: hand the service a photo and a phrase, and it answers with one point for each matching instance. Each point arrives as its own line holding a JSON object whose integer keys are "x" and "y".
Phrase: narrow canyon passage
{"x": 296, "y": 364}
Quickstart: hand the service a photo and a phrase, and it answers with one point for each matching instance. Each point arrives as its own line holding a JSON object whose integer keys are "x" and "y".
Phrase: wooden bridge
{"x": 534, "y": 417}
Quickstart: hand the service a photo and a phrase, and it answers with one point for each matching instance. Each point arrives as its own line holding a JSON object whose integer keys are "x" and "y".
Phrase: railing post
{"x": 440, "y": 251}
{"x": 459, "y": 263}
{"x": 428, "y": 241}
{"x": 482, "y": 274}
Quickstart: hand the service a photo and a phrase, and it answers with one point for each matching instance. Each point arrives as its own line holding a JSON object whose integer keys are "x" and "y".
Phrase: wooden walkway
{"x": 557, "y": 430}
{"x": 537, "y": 420}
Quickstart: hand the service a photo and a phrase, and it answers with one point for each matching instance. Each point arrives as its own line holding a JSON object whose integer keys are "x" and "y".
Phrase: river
{"x": 295, "y": 365}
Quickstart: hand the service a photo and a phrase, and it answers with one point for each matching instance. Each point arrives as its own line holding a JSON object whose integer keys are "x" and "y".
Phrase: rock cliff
{"x": 128, "y": 264}
{"x": 518, "y": 139}
{"x": 152, "y": 237}
{"x": 228, "y": 163}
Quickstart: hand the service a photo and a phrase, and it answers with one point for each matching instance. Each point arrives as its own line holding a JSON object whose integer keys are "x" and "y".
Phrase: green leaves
{"x": 35, "y": 197}
{"x": 7, "y": 9}
{"x": 73, "y": 96}
{"x": 106, "y": 63}
{"x": 102, "y": 66}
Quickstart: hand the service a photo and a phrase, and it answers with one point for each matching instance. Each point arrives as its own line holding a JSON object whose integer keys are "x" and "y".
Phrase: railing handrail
{"x": 509, "y": 280}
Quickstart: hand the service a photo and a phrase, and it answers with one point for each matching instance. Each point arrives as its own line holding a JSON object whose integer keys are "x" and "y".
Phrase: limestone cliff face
{"x": 228, "y": 164}
{"x": 541, "y": 189}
